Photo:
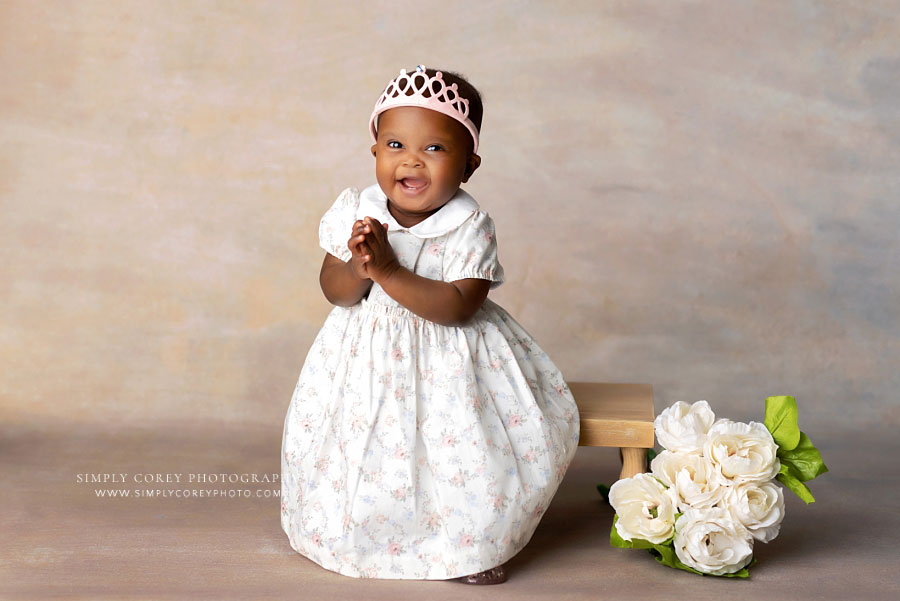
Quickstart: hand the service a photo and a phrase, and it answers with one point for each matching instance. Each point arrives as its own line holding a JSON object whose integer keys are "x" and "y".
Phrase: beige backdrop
{"x": 698, "y": 195}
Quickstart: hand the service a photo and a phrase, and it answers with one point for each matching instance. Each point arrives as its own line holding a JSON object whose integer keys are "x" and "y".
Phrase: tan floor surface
{"x": 61, "y": 541}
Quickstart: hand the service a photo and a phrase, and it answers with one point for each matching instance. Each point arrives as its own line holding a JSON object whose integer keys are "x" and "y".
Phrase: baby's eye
{"x": 434, "y": 147}
{"x": 394, "y": 144}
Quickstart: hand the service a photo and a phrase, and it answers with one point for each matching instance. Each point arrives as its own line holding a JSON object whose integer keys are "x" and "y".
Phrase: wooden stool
{"x": 617, "y": 415}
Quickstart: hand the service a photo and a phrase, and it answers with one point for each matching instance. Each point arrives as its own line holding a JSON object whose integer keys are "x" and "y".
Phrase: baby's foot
{"x": 492, "y": 576}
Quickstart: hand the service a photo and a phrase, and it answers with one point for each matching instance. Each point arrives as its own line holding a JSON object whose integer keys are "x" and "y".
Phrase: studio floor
{"x": 63, "y": 541}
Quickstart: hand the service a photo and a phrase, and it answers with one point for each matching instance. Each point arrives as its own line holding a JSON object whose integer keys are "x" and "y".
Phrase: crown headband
{"x": 407, "y": 89}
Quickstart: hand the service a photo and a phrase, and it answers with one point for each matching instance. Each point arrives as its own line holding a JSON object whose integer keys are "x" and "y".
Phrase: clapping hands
{"x": 371, "y": 254}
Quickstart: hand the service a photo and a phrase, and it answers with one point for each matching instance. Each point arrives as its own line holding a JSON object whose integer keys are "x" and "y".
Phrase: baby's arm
{"x": 445, "y": 303}
{"x": 345, "y": 284}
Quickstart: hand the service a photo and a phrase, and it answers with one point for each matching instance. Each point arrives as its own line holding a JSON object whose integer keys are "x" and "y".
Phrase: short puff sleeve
{"x": 471, "y": 251}
{"x": 337, "y": 224}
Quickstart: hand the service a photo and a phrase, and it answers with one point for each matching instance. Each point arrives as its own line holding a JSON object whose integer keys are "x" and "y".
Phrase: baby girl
{"x": 428, "y": 431}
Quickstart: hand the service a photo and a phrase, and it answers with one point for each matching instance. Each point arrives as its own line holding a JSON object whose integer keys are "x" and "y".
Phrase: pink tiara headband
{"x": 408, "y": 89}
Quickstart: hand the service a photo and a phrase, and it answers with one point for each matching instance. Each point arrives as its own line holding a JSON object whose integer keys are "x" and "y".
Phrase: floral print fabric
{"x": 416, "y": 450}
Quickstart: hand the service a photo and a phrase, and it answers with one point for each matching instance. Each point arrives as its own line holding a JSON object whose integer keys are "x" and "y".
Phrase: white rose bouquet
{"x": 711, "y": 492}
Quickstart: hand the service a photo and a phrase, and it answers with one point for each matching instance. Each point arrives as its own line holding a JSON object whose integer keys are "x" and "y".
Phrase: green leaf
{"x": 664, "y": 553}
{"x": 805, "y": 460}
{"x": 603, "y": 489}
{"x": 781, "y": 421}
{"x": 743, "y": 572}
{"x": 666, "y": 556}
{"x": 651, "y": 455}
{"x": 788, "y": 477}
{"x": 615, "y": 540}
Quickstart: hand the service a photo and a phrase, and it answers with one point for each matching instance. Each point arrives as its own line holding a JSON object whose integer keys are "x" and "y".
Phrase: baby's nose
{"x": 412, "y": 160}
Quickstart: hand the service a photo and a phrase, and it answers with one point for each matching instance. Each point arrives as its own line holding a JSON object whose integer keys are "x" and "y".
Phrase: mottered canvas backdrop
{"x": 699, "y": 196}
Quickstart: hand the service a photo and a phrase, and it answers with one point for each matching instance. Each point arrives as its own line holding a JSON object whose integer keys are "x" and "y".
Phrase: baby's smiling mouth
{"x": 413, "y": 183}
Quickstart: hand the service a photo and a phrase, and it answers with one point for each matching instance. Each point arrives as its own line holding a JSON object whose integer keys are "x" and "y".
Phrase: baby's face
{"x": 421, "y": 158}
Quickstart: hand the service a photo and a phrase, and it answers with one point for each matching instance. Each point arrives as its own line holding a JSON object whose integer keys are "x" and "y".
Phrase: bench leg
{"x": 634, "y": 461}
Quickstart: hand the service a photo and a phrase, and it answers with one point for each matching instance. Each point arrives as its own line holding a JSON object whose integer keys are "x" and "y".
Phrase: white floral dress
{"x": 416, "y": 450}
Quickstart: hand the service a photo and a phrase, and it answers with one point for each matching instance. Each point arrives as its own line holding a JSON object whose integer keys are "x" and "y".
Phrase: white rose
{"x": 710, "y": 541}
{"x": 759, "y": 507}
{"x": 691, "y": 477}
{"x": 742, "y": 452}
{"x": 683, "y": 426}
{"x": 645, "y": 507}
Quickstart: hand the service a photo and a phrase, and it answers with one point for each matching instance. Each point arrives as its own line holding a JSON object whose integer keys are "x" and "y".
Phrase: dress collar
{"x": 373, "y": 203}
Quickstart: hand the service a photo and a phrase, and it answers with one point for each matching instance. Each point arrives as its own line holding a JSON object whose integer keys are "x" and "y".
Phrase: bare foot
{"x": 492, "y": 576}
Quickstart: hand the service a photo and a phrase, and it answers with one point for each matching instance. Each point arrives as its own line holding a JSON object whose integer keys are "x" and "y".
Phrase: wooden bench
{"x": 617, "y": 415}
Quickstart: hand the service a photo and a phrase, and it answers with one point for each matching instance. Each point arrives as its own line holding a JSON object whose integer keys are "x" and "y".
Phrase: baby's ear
{"x": 373, "y": 149}
{"x": 471, "y": 165}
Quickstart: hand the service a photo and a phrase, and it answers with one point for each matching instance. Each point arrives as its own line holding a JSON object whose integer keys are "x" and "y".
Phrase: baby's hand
{"x": 359, "y": 250}
{"x": 382, "y": 262}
